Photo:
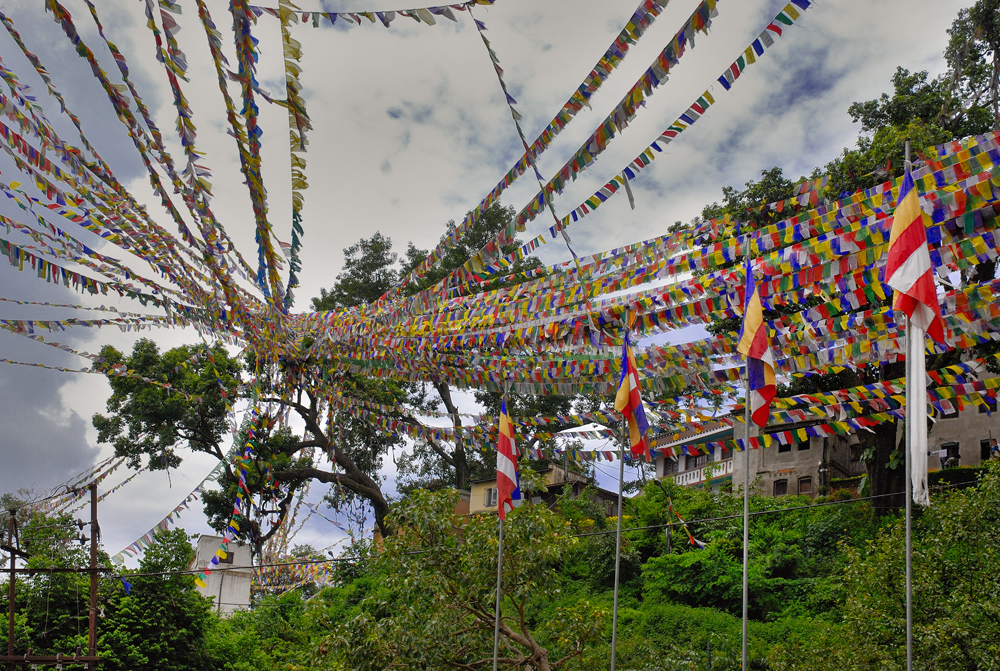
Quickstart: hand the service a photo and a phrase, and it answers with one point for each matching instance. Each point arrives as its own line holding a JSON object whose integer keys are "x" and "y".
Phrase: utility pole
{"x": 12, "y": 548}
{"x": 95, "y": 532}
{"x": 13, "y": 661}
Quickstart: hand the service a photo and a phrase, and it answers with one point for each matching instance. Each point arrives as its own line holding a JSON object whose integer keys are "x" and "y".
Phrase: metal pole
{"x": 618, "y": 545}
{"x": 909, "y": 502}
{"x": 746, "y": 523}
{"x": 746, "y": 493}
{"x": 95, "y": 531}
{"x": 911, "y": 416}
{"x": 618, "y": 532}
{"x": 496, "y": 625}
{"x": 10, "y": 591}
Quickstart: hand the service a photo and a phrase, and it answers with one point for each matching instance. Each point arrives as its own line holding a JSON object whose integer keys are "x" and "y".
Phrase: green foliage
{"x": 152, "y": 422}
{"x": 485, "y": 228}
{"x": 52, "y": 609}
{"x": 162, "y": 624}
{"x": 369, "y": 271}
{"x": 956, "y": 592}
{"x": 439, "y": 585}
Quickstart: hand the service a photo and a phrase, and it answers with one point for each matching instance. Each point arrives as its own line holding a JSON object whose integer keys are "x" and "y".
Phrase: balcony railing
{"x": 715, "y": 469}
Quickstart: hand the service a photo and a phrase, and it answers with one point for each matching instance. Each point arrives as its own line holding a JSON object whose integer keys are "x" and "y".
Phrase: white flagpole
{"x": 746, "y": 487}
{"x": 618, "y": 532}
{"x": 618, "y": 549}
{"x": 496, "y": 621}
{"x": 912, "y": 402}
{"x": 496, "y": 626}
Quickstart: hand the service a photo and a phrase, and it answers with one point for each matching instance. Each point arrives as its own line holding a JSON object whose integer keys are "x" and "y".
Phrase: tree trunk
{"x": 461, "y": 463}
{"x": 351, "y": 478}
{"x": 885, "y": 480}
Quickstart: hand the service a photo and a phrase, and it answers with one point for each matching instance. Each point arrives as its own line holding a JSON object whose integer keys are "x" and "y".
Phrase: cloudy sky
{"x": 411, "y": 130}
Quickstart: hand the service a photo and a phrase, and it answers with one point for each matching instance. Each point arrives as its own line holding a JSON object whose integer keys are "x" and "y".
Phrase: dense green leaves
{"x": 148, "y": 423}
{"x": 161, "y": 625}
{"x": 825, "y": 591}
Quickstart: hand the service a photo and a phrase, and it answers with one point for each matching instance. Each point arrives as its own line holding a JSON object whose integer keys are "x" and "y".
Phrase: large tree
{"x": 370, "y": 270}
{"x": 186, "y": 406}
{"x": 436, "y": 605}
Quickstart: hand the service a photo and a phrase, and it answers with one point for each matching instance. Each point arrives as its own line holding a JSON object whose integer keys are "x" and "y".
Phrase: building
{"x": 959, "y": 437}
{"x": 963, "y": 436}
{"x": 483, "y": 493}
{"x": 803, "y": 468}
{"x": 229, "y": 588}
{"x": 707, "y": 470}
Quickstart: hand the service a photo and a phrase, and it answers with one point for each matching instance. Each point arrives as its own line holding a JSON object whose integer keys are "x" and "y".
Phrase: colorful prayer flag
{"x": 909, "y": 271}
{"x": 629, "y": 403}
{"x": 908, "y": 268}
{"x": 753, "y": 345}
{"x": 508, "y": 488}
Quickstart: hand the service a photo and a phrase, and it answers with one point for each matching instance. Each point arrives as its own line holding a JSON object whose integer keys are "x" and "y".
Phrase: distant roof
{"x": 718, "y": 432}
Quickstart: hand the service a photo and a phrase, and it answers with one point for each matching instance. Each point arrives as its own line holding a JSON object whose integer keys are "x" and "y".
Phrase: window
{"x": 950, "y": 455}
{"x": 490, "y": 499}
{"x": 228, "y": 559}
{"x": 780, "y": 487}
{"x": 856, "y": 451}
{"x": 669, "y": 468}
{"x": 946, "y": 413}
{"x": 989, "y": 408}
{"x": 697, "y": 462}
{"x": 806, "y": 486}
{"x": 985, "y": 449}
{"x": 804, "y": 446}
{"x": 784, "y": 448}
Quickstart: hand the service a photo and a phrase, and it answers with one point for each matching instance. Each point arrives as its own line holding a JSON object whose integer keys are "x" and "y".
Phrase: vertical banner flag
{"x": 753, "y": 345}
{"x": 628, "y": 402}
{"x": 908, "y": 268}
{"x": 909, "y": 271}
{"x": 508, "y": 489}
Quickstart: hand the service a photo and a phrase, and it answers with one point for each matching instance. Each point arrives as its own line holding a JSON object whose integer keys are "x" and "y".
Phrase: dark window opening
{"x": 780, "y": 487}
{"x": 985, "y": 449}
{"x": 950, "y": 455}
{"x": 697, "y": 461}
{"x": 805, "y": 486}
{"x": 948, "y": 414}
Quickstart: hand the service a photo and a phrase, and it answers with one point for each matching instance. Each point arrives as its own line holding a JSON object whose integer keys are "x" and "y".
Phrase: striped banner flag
{"x": 908, "y": 268}
{"x": 753, "y": 344}
{"x": 629, "y": 403}
{"x": 508, "y": 490}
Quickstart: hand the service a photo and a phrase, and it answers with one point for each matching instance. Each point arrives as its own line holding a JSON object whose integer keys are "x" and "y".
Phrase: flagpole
{"x": 618, "y": 532}
{"x": 502, "y": 499}
{"x": 746, "y": 491}
{"x": 911, "y": 419}
{"x": 496, "y": 626}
